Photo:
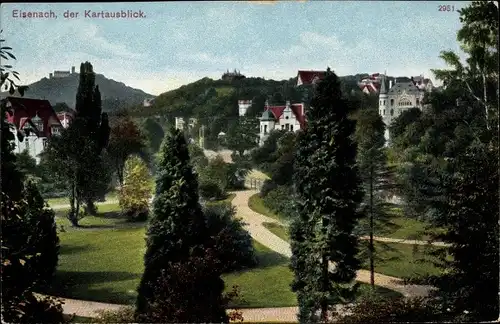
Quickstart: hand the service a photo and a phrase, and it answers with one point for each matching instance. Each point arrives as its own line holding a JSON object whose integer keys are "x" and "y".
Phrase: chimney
{"x": 50, "y": 75}
{"x": 266, "y": 104}
{"x": 288, "y": 104}
{"x": 72, "y": 70}
{"x": 390, "y": 84}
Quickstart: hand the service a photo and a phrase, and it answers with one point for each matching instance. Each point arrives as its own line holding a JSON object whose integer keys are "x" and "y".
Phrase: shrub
{"x": 186, "y": 292}
{"x": 280, "y": 200}
{"x": 136, "y": 191}
{"x": 267, "y": 186}
{"x": 38, "y": 309}
{"x": 122, "y": 315}
{"x": 233, "y": 244}
{"x": 376, "y": 309}
{"x": 211, "y": 190}
{"x": 44, "y": 238}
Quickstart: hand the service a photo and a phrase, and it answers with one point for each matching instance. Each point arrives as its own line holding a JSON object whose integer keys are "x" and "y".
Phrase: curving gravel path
{"x": 254, "y": 222}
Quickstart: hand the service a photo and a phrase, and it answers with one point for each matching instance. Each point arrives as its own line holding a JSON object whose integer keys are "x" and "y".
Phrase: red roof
{"x": 307, "y": 77}
{"x": 297, "y": 109}
{"x": 371, "y": 87}
{"x": 21, "y": 110}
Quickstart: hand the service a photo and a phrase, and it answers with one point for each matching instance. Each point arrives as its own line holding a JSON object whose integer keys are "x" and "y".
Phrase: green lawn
{"x": 394, "y": 259}
{"x": 257, "y": 205}
{"x": 64, "y": 200}
{"x": 404, "y": 228}
{"x": 278, "y": 230}
{"x": 103, "y": 261}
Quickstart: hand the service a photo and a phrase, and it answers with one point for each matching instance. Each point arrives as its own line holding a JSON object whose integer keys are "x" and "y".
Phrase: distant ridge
{"x": 114, "y": 94}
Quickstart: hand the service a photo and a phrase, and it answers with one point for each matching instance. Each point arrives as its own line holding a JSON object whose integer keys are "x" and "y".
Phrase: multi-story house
{"x": 34, "y": 121}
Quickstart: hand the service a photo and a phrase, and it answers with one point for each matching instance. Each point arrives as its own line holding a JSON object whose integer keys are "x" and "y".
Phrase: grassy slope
{"x": 103, "y": 261}
{"x": 398, "y": 260}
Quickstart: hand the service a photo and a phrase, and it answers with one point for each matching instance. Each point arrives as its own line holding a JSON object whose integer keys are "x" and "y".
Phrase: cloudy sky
{"x": 177, "y": 43}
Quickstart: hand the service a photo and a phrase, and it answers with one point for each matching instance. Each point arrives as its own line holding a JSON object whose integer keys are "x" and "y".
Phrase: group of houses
{"x": 35, "y": 121}
{"x": 395, "y": 97}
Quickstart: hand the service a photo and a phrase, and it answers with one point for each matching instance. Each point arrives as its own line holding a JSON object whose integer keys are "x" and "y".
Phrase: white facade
{"x": 399, "y": 98}
{"x": 180, "y": 123}
{"x": 243, "y": 106}
{"x": 32, "y": 143}
{"x": 289, "y": 117}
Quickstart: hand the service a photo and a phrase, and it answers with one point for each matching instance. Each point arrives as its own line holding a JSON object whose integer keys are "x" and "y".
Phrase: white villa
{"x": 290, "y": 117}
{"x": 34, "y": 122}
{"x": 400, "y": 97}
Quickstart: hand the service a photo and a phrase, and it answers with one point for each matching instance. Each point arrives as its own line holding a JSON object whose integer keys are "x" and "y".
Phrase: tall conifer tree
{"x": 177, "y": 236}
{"x": 377, "y": 178}
{"x": 328, "y": 197}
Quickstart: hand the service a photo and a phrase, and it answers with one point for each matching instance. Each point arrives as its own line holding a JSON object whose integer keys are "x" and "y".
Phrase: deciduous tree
{"x": 136, "y": 191}
{"x": 125, "y": 139}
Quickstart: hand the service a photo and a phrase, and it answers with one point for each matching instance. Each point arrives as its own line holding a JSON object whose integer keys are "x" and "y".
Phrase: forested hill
{"x": 214, "y": 103}
{"x": 115, "y": 95}
{"x": 208, "y": 99}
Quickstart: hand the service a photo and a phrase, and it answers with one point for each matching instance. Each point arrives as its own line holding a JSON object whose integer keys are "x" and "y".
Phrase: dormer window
{"x": 37, "y": 122}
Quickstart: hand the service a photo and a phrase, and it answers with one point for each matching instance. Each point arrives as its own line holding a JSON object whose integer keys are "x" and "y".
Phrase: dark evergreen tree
{"x": 328, "y": 197}
{"x": 95, "y": 128}
{"x": 376, "y": 176}
{"x": 469, "y": 213}
{"x": 177, "y": 235}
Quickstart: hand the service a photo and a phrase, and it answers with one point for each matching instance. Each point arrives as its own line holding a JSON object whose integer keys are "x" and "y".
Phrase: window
{"x": 291, "y": 128}
{"x": 392, "y": 102}
{"x": 265, "y": 129}
{"x": 418, "y": 101}
{"x": 287, "y": 117}
{"x": 384, "y": 112}
{"x": 282, "y": 127}
{"x": 392, "y": 112}
{"x": 287, "y": 127}
{"x": 44, "y": 143}
{"x": 384, "y": 102}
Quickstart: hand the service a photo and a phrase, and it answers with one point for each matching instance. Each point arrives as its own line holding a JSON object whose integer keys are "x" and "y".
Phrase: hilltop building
{"x": 34, "y": 121}
{"x": 401, "y": 96}
{"x": 61, "y": 74}
{"x": 235, "y": 75}
{"x": 290, "y": 117}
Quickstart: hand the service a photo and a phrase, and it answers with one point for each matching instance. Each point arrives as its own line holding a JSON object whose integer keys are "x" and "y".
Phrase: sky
{"x": 176, "y": 43}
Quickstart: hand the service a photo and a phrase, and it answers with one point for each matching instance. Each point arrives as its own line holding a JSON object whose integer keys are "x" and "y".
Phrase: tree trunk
{"x": 324, "y": 279}
{"x": 119, "y": 168}
{"x": 371, "y": 247}
{"x": 73, "y": 214}
{"x": 485, "y": 98}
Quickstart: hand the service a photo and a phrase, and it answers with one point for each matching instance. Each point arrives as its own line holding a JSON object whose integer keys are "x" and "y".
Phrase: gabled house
{"x": 309, "y": 77}
{"x": 290, "y": 117}
{"x": 34, "y": 121}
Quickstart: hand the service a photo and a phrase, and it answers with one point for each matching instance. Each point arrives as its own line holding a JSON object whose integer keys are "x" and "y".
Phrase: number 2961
{"x": 446, "y": 8}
